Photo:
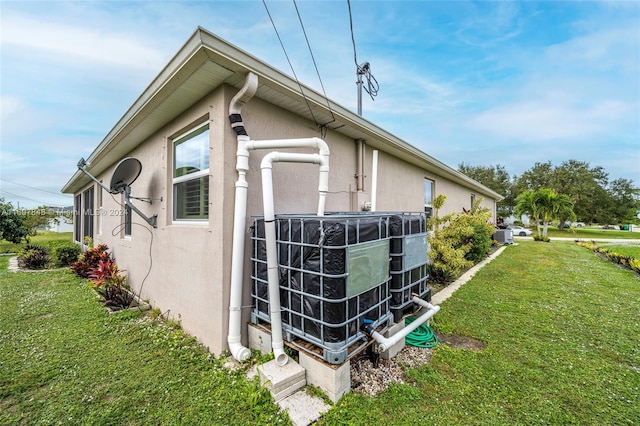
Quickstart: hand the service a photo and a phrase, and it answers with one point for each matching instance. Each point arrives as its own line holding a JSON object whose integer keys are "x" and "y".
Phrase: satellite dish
{"x": 126, "y": 172}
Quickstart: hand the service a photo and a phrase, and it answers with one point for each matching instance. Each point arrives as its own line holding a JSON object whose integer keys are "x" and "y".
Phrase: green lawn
{"x": 43, "y": 238}
{"x": 560, "y": 327}
{"x": 586, "y": 233}
{"x": 65, "y": 360}
{"x": 625, "y": 250}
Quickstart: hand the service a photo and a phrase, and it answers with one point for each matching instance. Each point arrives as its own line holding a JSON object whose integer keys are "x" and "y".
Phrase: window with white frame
{"x": 100, "y": 211}
{"x": 87, "y": 213}
{"x": 429, "y": 187}
{"x": 83, "y": 215}
{"x": 77, "y": 218}
{"x": 191, "y": 175}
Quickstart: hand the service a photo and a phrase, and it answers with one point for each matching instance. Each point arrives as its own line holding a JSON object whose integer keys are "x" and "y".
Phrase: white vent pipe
{"x": 245, "y": 144}
{"x": 270, "y": 236}
{"x": 374, "y": 180}
{"x": 234, "y": 338}
{"x": 385, "y": 343}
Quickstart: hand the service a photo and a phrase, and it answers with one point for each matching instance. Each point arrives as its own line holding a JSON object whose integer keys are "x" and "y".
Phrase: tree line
{"x": 18, "y": 224}
{"x": 595, "y": 198}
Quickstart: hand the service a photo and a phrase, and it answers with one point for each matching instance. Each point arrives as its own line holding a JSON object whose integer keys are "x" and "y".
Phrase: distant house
{"x": 63, "y": 221}
{"x": 180, "y": 131}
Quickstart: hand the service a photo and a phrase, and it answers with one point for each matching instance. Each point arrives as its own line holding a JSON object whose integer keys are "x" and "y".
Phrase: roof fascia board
{"x": 236, "y": 57}
{"x": 203, "y": 45}
{"x": 185, "y": 56}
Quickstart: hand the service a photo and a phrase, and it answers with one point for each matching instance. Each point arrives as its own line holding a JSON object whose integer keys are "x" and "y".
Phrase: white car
{"x": 520, "y": 231}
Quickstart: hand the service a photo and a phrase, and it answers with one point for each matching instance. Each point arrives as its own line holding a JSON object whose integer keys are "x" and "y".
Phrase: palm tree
{"x": 526, "y": 204}
{"x": 544, "y": 205}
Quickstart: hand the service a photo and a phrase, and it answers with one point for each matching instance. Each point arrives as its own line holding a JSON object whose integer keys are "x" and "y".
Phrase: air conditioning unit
{"x": 504, "y": 236}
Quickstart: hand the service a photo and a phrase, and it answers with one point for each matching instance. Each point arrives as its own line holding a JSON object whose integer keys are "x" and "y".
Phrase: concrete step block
{"x": 334, "y": 380}
{"x": 281, "y": 379}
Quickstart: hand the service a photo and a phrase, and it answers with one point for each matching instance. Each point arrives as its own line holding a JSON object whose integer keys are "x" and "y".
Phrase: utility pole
{"x": 362, "y": 70}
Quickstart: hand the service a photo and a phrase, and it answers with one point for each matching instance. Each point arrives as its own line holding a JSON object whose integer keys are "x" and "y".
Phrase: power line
{"x": 32, "y": 187}
{"x": 31, "y": 199}
{"x": 353, "y": 40}
{"x": 364, "y": 69}
{"x": 314, "y": 62}
{"x": 290, "y": 65}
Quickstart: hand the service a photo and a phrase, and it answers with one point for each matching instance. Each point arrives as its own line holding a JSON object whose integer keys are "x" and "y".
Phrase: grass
{"x": 43, "y": 238}
{"x": 623, "y": 249}
{"x": 587, "y": 233}
{"x": 561, "y": 332}
{"x": 65, "y": 360}
{"x": 560, "y": 327}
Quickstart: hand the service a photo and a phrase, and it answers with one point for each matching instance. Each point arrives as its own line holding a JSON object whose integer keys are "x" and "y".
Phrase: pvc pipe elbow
{"x": 279, "y": 355}
{"x": 245, "y": 94}
{"x": 239, "y": 352}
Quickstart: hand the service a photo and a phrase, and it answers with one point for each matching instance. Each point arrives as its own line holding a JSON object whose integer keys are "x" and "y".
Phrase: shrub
{"x": 90, "y": 259}
{"x": 622, "y": 260}
{"x": 66, "y": 254}
{"x": 480, "y": 244}
{"x": 34, "y": 257}
{"x": 438, "y": 275}
{"x": 452, "y": 238}
{"x": 110, "y": 283}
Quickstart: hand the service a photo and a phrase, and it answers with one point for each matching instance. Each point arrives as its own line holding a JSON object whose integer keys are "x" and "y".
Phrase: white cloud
{"x": 544, "y": 120}
{"x": 88, "y": 44}
{"x": 9, "y": 106}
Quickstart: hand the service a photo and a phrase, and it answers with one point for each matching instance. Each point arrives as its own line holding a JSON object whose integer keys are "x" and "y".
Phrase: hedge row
{"x": 626, "y": 261}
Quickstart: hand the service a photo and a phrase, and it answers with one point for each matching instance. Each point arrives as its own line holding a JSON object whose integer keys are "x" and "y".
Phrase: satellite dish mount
{"x": 125, "y": 173}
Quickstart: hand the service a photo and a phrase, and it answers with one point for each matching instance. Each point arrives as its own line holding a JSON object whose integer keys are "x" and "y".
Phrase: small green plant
{"x": 88, "y": 241}
{"x": 34, "y": 257}
{"x": 66, "y": 254}
{"x": 89, "y": 261}
{"x": 261, "y": 358}
{"x": 438, "y": 275}
{"x": 110, "y": 283}
{"x": 317, "y": 392}
{"x": 541, "y": 238}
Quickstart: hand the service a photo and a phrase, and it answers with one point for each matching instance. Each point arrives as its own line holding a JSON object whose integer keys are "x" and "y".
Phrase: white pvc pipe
{"x": 275, "y": 308}
{"x": 245, "y": 144}
{"x": 234, "y": 338}
{"x": 385, "y": 343}
{"x": 374, "y": 180}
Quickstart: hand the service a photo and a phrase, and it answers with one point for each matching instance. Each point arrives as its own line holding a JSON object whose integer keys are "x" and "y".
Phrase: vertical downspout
{"x": 234, "y": 338}
{"x": 360, "y": 164}
{"x": 245, "y": 144}
{"x": 374, "y": 180}
{"x": 273, "y": 276}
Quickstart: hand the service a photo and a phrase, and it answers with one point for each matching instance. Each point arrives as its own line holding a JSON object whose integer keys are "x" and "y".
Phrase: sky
{"x": 478, "y": 82}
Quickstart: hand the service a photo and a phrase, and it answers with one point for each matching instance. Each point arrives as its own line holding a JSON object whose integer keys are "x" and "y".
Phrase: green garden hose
{"x": 421, "y": 337}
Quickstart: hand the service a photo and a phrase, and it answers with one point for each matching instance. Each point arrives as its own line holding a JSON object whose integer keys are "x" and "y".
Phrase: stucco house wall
{"x": 183, "y": 268}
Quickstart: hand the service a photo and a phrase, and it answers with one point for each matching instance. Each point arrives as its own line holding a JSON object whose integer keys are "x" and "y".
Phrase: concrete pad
{"x": 303, "y": 408}
{"x": 283, "y": 380}
{"x": 334, "y": 380}
{"x": 13, "y": 264}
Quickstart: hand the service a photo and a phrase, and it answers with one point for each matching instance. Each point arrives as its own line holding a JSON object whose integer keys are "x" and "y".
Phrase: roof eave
{"x": 203, "y": 47}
